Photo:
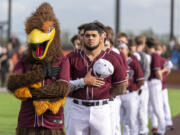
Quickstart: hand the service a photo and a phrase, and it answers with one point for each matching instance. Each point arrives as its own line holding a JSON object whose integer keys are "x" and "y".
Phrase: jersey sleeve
{"x": 64, "y": 74}
{"x": 156, "y": 62}
{"x": 119, "y": 74}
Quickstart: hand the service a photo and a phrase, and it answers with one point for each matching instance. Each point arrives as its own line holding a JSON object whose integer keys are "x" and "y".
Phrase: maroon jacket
{"x": 27, "y": 115}
{"x": 80, "y": 64}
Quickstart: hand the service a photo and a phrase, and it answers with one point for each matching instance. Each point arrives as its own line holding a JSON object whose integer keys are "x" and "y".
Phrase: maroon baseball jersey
{"x": 155, "y": 65}
{"x": 123, "y": 59}
{"x": 119, "y": 57}
{"x": 80, "y": 65}
{"x": 163, "y": 62}
{"x": 27, "y": 116}
{"x": 135, "y": 73}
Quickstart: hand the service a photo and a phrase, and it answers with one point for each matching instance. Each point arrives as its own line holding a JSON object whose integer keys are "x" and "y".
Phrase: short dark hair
{"x": 110, "y": 32}
{"x": 131, "y": 42}
{"x": 140, "y": 40}
{"x": 111, "y": 41}
{"x": 93, "y": 26}
{"x": 75, "y": 37}
{"x": 121, "y": 34}
{"x": 100, "y": 25}
{"x": 159, "y": 46}
{"x": 81, "y": 27}
{"x": 151, "y": 42}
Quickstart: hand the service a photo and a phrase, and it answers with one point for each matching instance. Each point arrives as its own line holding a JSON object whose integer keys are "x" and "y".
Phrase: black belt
{"x": 96, "y": 103}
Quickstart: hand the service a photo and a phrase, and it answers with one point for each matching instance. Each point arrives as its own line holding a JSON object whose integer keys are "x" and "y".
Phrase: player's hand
{"x": 165, "y": 70}
{"x": 92, "y": 80}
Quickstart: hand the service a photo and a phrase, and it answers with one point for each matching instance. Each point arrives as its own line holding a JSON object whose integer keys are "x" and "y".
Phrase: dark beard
{"x": 91, "y": 48}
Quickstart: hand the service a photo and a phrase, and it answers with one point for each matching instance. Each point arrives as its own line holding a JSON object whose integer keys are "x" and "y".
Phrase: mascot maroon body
{"x": 41, "y": 77}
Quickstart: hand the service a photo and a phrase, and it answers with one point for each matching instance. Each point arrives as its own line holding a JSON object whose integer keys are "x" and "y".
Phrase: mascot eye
{"x": 50, "y": 29}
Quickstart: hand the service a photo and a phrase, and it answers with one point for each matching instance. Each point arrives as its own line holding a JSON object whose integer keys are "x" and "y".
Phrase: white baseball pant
{"x": 83, "y": 120}
{"x": 129, "y": 113}
{"x": 166, "y": 109}
{"x": 156, "y": 101}
{"x": 143, "y": 110}
{"x": 117, "y": 102}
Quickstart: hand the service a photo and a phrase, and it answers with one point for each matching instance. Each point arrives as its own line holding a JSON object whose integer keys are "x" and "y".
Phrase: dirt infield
{"x": 176, "y": 131}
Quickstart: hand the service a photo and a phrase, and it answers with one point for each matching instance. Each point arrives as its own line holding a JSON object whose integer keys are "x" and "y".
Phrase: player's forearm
{"x": 76, "y": 84}
{"x": 158, "y": 74}
{"x": 140, "y": 83}
{"x": 118, "y": 89}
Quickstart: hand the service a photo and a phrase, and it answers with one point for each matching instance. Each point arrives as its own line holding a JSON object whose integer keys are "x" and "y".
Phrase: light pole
{"x": 117, "y": 16}
{"x": 9, "y": 20}
{"x": 172, "y": 21}
{"x": 179, "y": 21}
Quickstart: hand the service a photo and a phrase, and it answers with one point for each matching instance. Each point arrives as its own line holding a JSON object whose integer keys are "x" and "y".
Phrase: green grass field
{"x": 9, "y": 108}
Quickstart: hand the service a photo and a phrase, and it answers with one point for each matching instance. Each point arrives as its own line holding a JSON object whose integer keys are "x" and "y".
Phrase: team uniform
{"x": 120, "y": 56}
{"x": 144, "y": 96}
{"x": 166, "y": 108}
{"x": 130, "y": 100}
{"x": 117, "y": 101}
{"x": 155, "y": 92}
{"x": 89, "y": 108}
{"x": 27, "y": 115}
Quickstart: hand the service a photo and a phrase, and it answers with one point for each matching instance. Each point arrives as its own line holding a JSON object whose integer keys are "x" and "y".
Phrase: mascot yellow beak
{"x": 40, "y": 41}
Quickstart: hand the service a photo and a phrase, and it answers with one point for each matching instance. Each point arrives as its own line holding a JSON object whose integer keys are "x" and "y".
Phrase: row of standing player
{"x": 97, "y": 67}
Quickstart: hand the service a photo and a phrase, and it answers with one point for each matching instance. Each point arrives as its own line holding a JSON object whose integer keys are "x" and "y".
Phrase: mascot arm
{"x": 56, "y": 90}
{"x": 16, "y": 81}
{"x": 24, "y": 93}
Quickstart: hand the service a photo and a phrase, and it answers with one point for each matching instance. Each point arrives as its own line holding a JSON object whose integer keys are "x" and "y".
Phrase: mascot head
{"x": 43, "y": 34}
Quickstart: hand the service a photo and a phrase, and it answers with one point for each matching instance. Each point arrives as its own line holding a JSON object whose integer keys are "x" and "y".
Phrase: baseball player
{"x": 130, "y": 100}
{"x": 117, "y": 104}
{"x": 166, "y": 67}
{"x": 167, "y": 112}
{"x": 144, "y": 97}
{"x": 109, "y": 48}
{"x": 155, "y": 86}
{"x": 89, "y": 107}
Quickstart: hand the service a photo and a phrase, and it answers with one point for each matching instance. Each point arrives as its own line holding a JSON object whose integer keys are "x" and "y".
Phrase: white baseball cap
{"x": 103, "y": 68}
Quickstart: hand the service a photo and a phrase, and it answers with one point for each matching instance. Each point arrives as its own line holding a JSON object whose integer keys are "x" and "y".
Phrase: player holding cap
{"x": 89, "y": 109}
{"x": 155, "y": 85}
{"x": 130, "y": 100}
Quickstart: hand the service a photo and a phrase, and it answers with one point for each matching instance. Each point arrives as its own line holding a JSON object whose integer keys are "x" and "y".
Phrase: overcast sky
{"x": 136, "y": 15}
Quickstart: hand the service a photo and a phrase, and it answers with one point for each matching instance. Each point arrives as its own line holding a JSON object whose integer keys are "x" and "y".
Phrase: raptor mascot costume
{"x": 41, "y": 77}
